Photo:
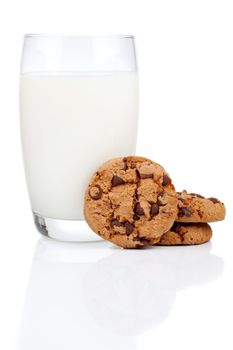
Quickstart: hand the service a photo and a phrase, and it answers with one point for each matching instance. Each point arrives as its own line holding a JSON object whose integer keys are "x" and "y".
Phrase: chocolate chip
{"x": 135, "y": 217}
{"x": 154, "y": 210}
{"x": 125, "y": 167}
{"x": 128, "y": 227}
{"x": 196, "y": 195}
{"x": 95, "y": 192}
{"x": 138, "y": 209}
{"x": 176, "y": 227}
{"x": 116, "y": 222}
{"x": 133, "y": 165}
{"x": 214, "y": 200}
{"x": 185, "y": 211}
{"x": 139, "y": 246}
{"x": 146, "y": 176}
{"x": 145, "y": 242}
{"x": 116, "y": 181}
{"x": 166, "y": 180}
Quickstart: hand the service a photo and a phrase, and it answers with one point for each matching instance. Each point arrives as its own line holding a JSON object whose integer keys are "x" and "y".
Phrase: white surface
{"x": 57, "y": 113}
{"x": 89, "y": 296}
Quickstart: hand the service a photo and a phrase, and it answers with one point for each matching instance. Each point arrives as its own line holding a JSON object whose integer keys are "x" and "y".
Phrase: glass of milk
{"x": 78, "y": 108}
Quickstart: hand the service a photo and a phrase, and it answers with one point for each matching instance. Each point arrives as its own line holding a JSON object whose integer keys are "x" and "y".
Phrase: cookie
{"x": 187, "y": 234}
{"x": 193, "y": 207}
{"x": 131, "y": 202}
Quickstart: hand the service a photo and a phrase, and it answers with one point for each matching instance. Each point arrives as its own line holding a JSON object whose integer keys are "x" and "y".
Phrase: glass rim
{"x": 77, "y": 36}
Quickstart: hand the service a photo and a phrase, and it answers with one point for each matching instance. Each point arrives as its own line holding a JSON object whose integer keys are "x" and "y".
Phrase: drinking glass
{"x": 78, "y": 108}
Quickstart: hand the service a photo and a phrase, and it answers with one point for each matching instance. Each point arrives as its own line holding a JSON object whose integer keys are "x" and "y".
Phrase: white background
{"x": 55, "y": 296}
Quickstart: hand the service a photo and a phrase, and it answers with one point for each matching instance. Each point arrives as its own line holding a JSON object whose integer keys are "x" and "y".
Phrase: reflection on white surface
{"x": 92, "y": 295}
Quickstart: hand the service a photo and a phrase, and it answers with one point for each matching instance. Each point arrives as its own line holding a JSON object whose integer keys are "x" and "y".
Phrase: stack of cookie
{"x": 132, "y": 202}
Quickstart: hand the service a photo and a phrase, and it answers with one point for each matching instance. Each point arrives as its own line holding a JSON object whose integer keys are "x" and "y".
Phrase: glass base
{"x": 65, "y": 230}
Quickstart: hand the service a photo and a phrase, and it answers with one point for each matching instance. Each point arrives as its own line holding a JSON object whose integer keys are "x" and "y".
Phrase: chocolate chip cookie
{"x": 131, "y": 202}
{"x": 193, "y": 207}
{"x": 187, "y": 234}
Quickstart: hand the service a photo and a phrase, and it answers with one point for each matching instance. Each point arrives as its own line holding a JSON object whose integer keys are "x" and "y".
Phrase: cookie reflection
{"x": 92, "y": 295}
{"x": 130, "y": 292}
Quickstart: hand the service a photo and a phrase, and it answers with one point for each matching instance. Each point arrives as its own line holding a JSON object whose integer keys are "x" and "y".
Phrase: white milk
{"x": 70, "y": 124}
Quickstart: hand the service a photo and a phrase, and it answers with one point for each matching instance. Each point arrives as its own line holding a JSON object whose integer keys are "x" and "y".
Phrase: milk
{"x": 70, "y": 124}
